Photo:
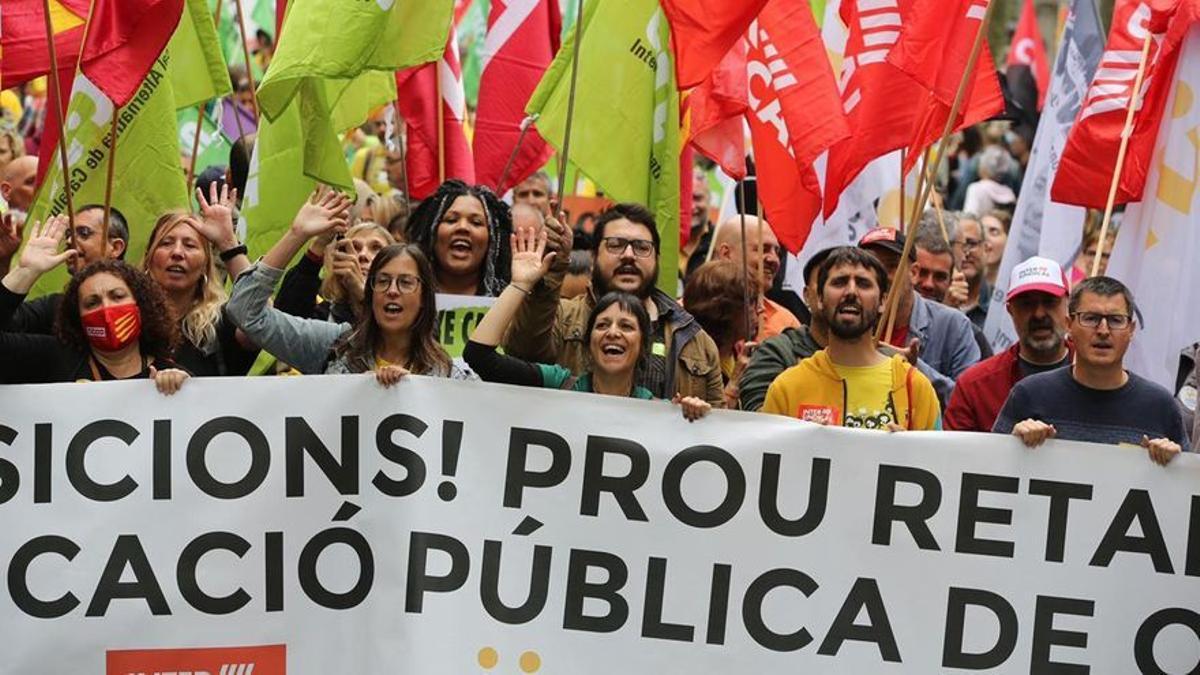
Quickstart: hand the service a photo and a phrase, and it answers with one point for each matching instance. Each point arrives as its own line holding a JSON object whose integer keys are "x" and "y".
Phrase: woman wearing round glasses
{"x": 618, "y": 336}
{"x": 394, "y": 335}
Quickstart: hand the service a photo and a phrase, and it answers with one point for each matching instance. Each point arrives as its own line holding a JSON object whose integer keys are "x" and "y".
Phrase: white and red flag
{"x": 795, "y": 115}
{"x": 1089, "y": 159}
{"x": 417, "y": 96}
{"x": 934, "y": 48}
{"x": 1027, "y": 54}
{"x": 522, "y": 38}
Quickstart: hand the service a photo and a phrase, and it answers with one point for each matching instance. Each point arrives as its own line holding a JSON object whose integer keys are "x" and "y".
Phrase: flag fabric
{"x": 934, "y": 48}
{"x": 214, "y": 147}
{"x": 703, "y": 31}
{"x": 406, "y": 33}
{"x": 1159, "y": 243}
{"x": 1040, "y": 225}
{"x": 522, "y": 38}
{"x": 314, "y": 64}
{"x": 1089, "y": 160}
{"x": 1027, "y": 58}
{"x": 124, "y": 38}
{"x": 198, "y": 69}
{"x": 23, "y": 49}
{"x": 631, "y": 150}
{"x": 276, "y": 184}
{"x": 870, "y": 88}
{"x": 148, "y": 179}
{"x": 714, "y": 110}
{"x": 417, "y": 97}
{"x": 795, "y": 115}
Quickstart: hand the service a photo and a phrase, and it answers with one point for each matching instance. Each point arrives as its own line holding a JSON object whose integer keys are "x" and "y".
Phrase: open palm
{"x": 325, "y": 211}
{"x": 530, "y": 262}
{"x": 41, "y": 251}
{"x": 216, "y": 213}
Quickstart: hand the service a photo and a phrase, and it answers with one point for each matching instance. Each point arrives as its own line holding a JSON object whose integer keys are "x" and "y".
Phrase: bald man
{"x": 525, "y": 214}
{"x": 18, "y": 182}
{"x": 763, "y": 260}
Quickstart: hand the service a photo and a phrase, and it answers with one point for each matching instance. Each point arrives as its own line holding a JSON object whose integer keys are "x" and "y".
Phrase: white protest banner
{"x": 325, "y": 525}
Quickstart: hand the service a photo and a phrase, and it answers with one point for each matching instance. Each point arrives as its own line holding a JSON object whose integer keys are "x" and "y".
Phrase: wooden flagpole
{"x": 441, "y": 122}
{"x": 401, "y": 142}
{"x": 191, "y": 173}
{"x": 246, "y": 53}
{"x": 923, "y": 199}
{"x": 565, "y": 155}
{"x": 1126, "y": 132}
{"x": 55, "y": 85}
{"x": 108, "y": 182}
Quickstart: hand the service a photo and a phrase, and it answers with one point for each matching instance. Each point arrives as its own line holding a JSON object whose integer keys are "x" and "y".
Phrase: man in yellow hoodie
{"x": 849, "y": 383}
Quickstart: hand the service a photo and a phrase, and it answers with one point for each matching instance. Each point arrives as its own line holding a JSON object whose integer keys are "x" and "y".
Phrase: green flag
{"x": 198, "y": 70}
{"x": 625, "y": 134}
{"x": 276, "y": 186}
{"x": 148, "y": 178}
{"x": 214, "y": 147}
{"x": 340, "y": 39}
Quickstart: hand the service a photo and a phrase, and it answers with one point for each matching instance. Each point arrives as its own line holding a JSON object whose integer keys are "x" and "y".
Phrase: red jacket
{"x": 981, "y": 391}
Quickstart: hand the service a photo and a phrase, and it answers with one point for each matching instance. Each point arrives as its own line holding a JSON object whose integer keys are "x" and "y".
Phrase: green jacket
{"x": 769, "y": 360}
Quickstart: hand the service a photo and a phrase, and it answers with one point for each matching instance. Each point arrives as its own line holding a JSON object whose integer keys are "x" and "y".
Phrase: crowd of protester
{"x": 872, "y": 340}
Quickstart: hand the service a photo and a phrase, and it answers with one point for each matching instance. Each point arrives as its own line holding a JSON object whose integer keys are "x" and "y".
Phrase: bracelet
{"x": 520, "y": 289}
{"x": 230, "y": 254}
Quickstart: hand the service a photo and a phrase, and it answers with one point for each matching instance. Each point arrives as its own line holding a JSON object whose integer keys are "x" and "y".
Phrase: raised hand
{"x": 11, "y": 232}
{"x": 41, "y": 251}
{"x": 559, "y": 237}
{"x": 326, "y": 210}
{"x": 216, "y": 212}
{"x": 530, "y": 261}
{"x": 344, "y": 264}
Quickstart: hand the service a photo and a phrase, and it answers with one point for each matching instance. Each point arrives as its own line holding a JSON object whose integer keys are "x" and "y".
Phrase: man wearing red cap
{"x": 1037, "y": 303}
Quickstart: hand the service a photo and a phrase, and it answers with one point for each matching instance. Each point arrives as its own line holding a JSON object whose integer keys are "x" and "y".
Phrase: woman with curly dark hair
{"x": 113, "y": 322}
{"x": 395, "y": 334}
{"x": 464, "y": 229}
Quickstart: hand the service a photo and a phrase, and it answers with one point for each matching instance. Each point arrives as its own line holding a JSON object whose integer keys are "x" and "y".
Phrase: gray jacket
{"x": 947, "y": 342}
{"x": 305, "y": 344}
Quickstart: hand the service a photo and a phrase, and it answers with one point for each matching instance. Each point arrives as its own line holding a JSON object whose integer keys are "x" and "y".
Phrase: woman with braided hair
{"x": 464, "y": 231}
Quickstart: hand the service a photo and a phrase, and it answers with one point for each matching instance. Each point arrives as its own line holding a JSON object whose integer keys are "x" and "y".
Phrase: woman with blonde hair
{"x": 346, "y": 264}
{"x": 182, "y": 259}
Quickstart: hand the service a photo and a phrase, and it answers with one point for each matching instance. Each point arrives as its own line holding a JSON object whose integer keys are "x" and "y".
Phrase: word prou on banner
{"x": 324, "y": 524}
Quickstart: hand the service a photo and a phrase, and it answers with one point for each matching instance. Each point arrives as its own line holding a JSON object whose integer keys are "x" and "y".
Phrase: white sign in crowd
{"x": 325, "y": 525}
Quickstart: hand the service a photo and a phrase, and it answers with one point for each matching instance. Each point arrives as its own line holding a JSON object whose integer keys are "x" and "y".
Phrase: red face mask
{"x": 112, "y": 328}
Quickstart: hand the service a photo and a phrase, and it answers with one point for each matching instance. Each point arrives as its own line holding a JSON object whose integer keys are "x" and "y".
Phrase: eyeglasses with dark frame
{"x": 642, "y": 248}
{"x": 406, "y": 284}
{"x": 1093, "y": 319}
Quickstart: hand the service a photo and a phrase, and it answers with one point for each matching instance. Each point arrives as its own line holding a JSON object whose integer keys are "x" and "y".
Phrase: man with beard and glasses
{"x": 549, "y": 329}
{"x": 1037, "y": 304}
{"x": 849, "y": 383}
{"x": 1096, "y": 399}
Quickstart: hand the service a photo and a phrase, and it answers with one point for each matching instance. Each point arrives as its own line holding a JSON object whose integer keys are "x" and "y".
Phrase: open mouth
{"x": 176, "y": 269}
{"x": 613, "y": 350}
{"x": 461, "y": 246}
{"x": 850, "y": 310}
{"x": 393, "y": 309}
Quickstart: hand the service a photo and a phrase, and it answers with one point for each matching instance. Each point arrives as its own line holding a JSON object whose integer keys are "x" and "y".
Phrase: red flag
{"x": 795, "y": 115}
{"x": 522, "y": 38}
{"x": 715, "y": 111}
{"x": 934, "y": 48}
{"x": 1089, "y": 158}
{"x": 703, "y": 32}
{"x": 417, "y": 98}
{"x": 49, "y": 140}
{"x": 1028, "y": 52}
{"x": 23, "y": 52}
{"x": 124, "y": 38}
{"x": 461, "y": 7}
{"x": 879, "y": 101}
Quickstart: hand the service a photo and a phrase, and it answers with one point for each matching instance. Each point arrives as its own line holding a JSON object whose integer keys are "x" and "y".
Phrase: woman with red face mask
{"x": 113, "y": 322}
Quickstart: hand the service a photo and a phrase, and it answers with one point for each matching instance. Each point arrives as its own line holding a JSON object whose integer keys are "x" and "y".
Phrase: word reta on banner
{"x": 444, "y": 526}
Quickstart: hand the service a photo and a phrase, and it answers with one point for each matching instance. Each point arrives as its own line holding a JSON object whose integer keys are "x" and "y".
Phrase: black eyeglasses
{"x": 405, "y": 283}
{"x": 642, "y": 248}
{"x": 1114, "y": 321}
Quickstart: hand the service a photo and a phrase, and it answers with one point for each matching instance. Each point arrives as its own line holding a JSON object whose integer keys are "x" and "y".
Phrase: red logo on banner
{"x": 259, "y": 660}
